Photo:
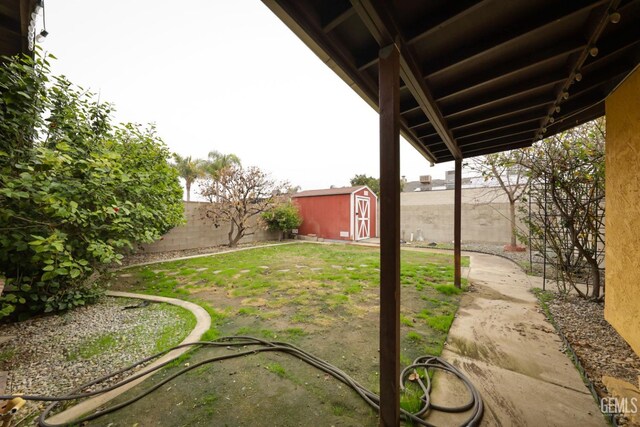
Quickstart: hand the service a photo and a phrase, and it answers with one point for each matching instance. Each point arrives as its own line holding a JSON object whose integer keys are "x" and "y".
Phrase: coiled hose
{"x": 424, "y": 363}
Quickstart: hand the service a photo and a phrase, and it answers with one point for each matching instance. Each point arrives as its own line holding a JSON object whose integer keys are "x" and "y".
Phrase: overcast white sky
{"x": 222, "y": 75}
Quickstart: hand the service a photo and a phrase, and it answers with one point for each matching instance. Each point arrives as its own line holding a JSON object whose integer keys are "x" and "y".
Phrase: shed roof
{"x": 329, "y": 191}
{"x": 477, "y": 76}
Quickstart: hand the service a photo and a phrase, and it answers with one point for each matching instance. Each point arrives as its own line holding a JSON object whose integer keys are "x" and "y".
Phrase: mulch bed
{"x": 599, "y": 347}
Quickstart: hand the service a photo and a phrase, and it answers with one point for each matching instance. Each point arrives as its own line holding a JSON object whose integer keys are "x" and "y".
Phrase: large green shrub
{"x": 75, "y": 191}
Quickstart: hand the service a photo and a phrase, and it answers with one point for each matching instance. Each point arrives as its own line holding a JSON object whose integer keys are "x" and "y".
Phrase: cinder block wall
{"x": 622, "y": 223}
{"x": 485, "y": 215}
{"x": 200, "y": 233}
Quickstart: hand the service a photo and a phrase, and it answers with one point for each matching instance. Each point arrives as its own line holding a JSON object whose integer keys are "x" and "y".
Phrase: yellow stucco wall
{"x": 622, "y": 297}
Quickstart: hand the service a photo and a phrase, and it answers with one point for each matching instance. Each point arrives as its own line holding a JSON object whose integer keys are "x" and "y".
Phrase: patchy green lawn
{"x": 323, "y": 298}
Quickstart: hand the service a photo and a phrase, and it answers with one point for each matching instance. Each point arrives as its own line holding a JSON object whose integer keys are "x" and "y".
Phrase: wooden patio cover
{"x": 15, "y": 16}
{"x": 460, "y": 79}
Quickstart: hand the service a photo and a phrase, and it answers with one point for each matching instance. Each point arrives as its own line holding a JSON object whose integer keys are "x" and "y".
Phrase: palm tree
{"x": 188, "y": 169}
{"x": 218, "y": 161}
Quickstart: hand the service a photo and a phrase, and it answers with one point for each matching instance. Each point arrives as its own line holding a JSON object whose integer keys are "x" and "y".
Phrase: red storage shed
{"x": 348, "y": 213}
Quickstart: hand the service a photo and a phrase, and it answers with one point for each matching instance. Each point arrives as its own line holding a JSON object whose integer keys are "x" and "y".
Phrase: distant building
{"x": 426, "y": 183}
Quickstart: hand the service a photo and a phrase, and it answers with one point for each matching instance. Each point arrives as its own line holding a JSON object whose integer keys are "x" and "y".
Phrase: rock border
{"x": 203, "y": 323}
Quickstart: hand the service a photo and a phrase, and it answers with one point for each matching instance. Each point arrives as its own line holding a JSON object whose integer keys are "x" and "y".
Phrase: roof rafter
{"x": 513, "y": 144}
{"x": 384, "y": 29}
{"x": 513, "y": 39}
{"x": 513, "y": 68}
{"x": 507, "y": 124}
{"x": 521, "y": 89}
{"x": 338, "y": 19}
{"x": 597, "y": 24}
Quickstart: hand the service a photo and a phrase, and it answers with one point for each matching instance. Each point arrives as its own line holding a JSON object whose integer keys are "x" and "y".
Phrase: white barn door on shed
{"x": 363, "y": 218}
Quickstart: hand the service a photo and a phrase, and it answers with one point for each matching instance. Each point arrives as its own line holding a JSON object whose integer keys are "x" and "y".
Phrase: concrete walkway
{"x": 506, "y": 347}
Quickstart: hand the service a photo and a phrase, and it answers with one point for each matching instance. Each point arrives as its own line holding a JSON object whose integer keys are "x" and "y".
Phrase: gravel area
{"x": 53, "y": 354}
{"x": 142, "y": 257}
{"x": 599, "y": 347}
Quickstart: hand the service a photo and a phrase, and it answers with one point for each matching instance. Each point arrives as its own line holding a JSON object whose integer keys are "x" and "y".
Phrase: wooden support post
{"x": 389, "y": 101}
{"x": 457, "y": 224}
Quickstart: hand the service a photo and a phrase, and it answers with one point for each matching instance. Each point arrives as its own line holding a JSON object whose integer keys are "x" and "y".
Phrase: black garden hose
{"x": 425, "y": 363}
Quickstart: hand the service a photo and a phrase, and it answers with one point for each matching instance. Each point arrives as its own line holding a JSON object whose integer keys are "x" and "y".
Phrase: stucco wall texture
{"x": 200, "y": 233}
{"x": 622, "y": 251}
{"x": 485, "y": 215}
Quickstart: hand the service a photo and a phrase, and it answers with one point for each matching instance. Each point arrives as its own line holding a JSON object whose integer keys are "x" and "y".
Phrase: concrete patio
{"x": 502, "y": 341}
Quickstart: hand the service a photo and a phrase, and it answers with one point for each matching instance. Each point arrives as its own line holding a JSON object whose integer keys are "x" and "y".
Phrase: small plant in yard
{"x": 283, "y": 218}
{"x": 277, "y": 369}
{"x": 414, "y": 336}
{"x": 406, "y": 321}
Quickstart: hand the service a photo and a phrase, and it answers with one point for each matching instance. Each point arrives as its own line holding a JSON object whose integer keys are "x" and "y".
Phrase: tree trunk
{"x": 234, "y": 242}
{"x": 595, "y": 272}
{"x": 188, "y": 186}
{"x": 230, "y": 235}
{"x": 512, "y": 215}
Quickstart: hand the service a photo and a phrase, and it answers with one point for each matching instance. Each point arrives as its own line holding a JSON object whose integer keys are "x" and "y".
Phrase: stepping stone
{"x": 264, "y": 267}
{"x": 126, "y": 275}
{"x": 217, "y": 272}
{"x": 4, "y": 375}
{"x": 315, "y": 268}
{"x": 6, "y": 338}
{"x": 350, "y": 268}
{"x": 364, "y": 265}
{"x": 301, "y": 266}
{"x": 337, "y": 267}
{"x": 202, "y": 269}
{"x": 244, "y": 271}
{"x": 283, "y": 271}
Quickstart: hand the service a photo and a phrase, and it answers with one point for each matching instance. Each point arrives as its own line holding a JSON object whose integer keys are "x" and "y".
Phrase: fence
{"x": 428, "y": 215}
{"x": 200, "y": 233}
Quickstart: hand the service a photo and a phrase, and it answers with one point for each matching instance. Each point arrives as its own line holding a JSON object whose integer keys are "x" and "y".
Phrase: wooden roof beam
{"x": 514, "y": 38}
{"x": 524, "y": 130}
{"x": 511, "y": 69}
{"x": 577, "y": 117}
{"x": 338, "y": 19}
{"x": 383, "y": 28}
{"x": 605, "y": 56}
{"x": 501, "y": 113}
{"x": 505, "y": 124}
{"x": 520, "y": 91}
{"x": 597, "y": 25}
{"x": 517, "y": 143}
{"x": 462, "y": 9}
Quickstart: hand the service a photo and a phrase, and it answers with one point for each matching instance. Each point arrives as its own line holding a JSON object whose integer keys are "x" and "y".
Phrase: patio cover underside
{"x": 15, "y": 16}
{"x": 477, "y": 77}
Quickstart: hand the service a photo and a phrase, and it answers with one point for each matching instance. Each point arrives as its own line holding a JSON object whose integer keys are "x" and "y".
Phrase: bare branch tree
{"x": 569, "y": 215}
{"x": 506, "y": 169}
{"x": 237, "y": 196}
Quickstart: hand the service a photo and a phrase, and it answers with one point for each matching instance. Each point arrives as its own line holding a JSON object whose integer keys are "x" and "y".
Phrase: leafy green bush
{"x": 283, "y": 217}
{"x": 75, "y": 191}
